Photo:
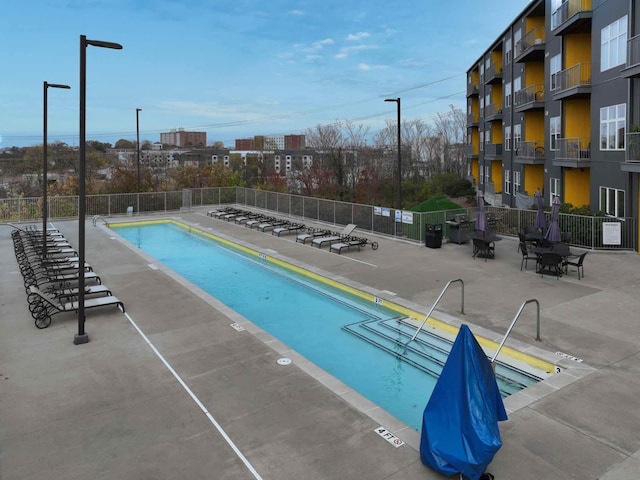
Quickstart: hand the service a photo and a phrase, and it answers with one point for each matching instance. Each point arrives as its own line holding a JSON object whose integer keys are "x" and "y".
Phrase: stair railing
{"x": 513, "y": 322}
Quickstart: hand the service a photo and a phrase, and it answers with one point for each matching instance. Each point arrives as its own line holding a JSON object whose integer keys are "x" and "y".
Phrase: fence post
{"x": 165, "y": 202}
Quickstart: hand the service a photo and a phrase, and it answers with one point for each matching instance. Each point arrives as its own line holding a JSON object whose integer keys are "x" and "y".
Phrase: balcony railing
{"x": 535, "y": 36}
{"x": 574, "y": 148}
{"x": 492, "y": 149}
{"x": 568, "y": 9}
{"x": 633, "y": 51}
{"x": 573, "y": 77}
{"x": 530, "y": 94}
{"x": 633, "y": 147}
{"x": 530, "y": 150}
{"x": 494, "y": 72}
{"x": 471, "y": 150}
{"x": 492, "y": 110}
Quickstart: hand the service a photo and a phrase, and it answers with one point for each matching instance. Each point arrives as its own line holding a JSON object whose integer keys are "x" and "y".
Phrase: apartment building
{"x": 183, "y": 139}
{"x": 554, "y": 104}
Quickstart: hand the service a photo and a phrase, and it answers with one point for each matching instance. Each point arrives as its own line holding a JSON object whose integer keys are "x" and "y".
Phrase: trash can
{"x": 433, "y": 237}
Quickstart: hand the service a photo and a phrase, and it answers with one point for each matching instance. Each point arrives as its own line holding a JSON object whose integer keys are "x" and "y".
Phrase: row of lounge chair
{"x": 337, "y": 241}
{"x": 317, "y": 237}
{"x": 259, "y": 221}
{"x": 52, "y": 280}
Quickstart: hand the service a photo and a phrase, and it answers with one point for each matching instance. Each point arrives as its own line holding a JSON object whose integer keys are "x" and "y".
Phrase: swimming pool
{"x": 324, "y": 324}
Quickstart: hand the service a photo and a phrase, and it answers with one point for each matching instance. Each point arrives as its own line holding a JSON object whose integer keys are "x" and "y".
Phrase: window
{"x": 481, "y": 175}
{"x": 612, "y": 201}
{"x": 507, "y": 181}
{"x": 507, "y": 138}
{"x": 517, "y": 84}
{"x": 487, "y": 176}
{"x": 517, "y": 136}
{"x": 555, "y": 65}
{"x": 487, "y": 63}
{"x": 517, "y": 36}
{"x": 469, "y": 107}
{"x": 612, "y": 127}
{"x": 487, "y": 135}
{"x": 613, "y": 44}
{"x": 507, "y": 94}
{"x": 482, "y": 106}
{"x": 487, "y": 99}
{"x": 555, "y": 5}
{"x": 481, "y": 141}
{"x": 554, "y": 189}
{"x": 554, "y": 132}
{"x": 507, "y": 51}
{"x": 516, "y": 182}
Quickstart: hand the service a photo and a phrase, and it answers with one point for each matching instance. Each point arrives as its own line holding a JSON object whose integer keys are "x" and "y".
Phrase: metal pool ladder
{"x": 95, "y": 219}
{"x": 434, "y": 306}
{"x": 513, "y": 322}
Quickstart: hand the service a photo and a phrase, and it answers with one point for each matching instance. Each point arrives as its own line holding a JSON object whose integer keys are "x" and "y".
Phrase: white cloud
{"x": 357, "y": 36}
{"x": 322, "y": 43}
{"x": 363, "y": 66}
{"x": 297, "y": 13}
{"x": 340, "y": 56}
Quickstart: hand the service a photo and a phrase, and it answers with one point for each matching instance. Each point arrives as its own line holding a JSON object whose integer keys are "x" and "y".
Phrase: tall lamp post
{"x": 138, "y": 110}
{"x": 82, "y": 336}
{"x": 399, "y": 193}
{"x": 45, "y": 162}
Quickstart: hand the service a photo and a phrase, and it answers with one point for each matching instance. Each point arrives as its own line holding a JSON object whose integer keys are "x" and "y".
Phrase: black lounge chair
{"x": 335, "y": 237}
{"x": 263, "y": 227}
{"x": 289, "y": 228}
{"x": 47, "y": 305}
{"x": 550, "y": 263}
{"x": 352, "y": 242}
{"x": 312, "y": 233}
{"x": 577, "y": 262}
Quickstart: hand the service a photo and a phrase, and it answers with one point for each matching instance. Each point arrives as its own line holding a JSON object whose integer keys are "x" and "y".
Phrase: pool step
{"x": 428, "y": 352}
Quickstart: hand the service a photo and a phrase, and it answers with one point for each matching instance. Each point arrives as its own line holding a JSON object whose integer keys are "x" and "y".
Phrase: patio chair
{"x": 575, "y": 262}
{"x": 550, "y": 263}
{"x": 335, "y": 236}
{"x": 48, "y": 306}
{"x": 526, "y": 255}
{"x": 483, "y": 249}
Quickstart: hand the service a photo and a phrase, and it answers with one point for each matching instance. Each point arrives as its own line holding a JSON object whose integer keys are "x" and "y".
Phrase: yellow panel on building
{"x": 534, "y": 74}
{"x": 577, "y": 114}
{"x": 496, "y": 131}
{"x": 475, "y": 170}
{"x": 533, "y": 178}
{"x": 577, "y": 49}
{"x": 534, "y": 127}
{"x": 576, "y": 186}
{"x": 496, "y": 175}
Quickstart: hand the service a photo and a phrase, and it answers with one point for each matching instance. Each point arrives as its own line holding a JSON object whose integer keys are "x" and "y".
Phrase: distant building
{"x": 183, "y": 139}
{"x": 271, "y": 142}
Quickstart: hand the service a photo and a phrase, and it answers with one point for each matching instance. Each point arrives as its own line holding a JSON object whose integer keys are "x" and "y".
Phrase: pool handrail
{"x": 436, "y": 303}
{"x": 513, "y": 322}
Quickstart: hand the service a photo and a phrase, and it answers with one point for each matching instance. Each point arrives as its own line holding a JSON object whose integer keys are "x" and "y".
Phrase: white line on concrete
{"x": 233, "y": 446}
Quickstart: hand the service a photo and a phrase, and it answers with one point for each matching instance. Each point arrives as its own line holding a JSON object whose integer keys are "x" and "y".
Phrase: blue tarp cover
{"x": 460, "y": 431}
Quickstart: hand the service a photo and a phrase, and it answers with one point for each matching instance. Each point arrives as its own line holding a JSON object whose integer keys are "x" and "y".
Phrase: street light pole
{"x": 82, "y": 336}
{"x": 45, "y": 162}
{"x": 138, "y": 110}
{"x": 399, "y": 193}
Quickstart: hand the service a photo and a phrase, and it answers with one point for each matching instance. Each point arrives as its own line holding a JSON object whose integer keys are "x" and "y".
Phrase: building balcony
{"x": 531, "y": 47}
{"x": 473, "y": 90}
{"x": 471, "y": 151}
{"x": 530, "y": 153}
{"x": 492, "y": 151}
{"x": 493, "y": 74}
{"x": 493, "y": 112}
{"x": 529, "y": 98}
{"x": 472, "y": 120}
{"x": 573, "y": 82}
{"x": 572, "y": 16}
{"x": 574, "y": 152}
{"x": 632, "y": 153}
{"x": 632, "y": 69}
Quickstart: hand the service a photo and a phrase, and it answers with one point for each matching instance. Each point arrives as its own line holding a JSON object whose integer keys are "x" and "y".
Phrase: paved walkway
{"x": 170, "y": 390}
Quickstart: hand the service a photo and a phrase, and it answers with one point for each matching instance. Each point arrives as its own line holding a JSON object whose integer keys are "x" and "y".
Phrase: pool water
{"x": 307, "y": 316}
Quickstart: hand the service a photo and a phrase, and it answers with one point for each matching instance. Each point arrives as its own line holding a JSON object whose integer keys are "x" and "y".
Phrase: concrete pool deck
{"x": 113, "y": 409}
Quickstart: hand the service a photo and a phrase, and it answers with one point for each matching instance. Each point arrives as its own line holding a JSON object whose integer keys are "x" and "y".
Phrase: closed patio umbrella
{"x": 481, "y": 218}
{"x": 553, "y": 234}
{"x": 540, "y": 222}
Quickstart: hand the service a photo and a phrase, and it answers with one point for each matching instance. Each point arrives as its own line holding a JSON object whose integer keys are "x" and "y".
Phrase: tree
{"x": 123, "y": 144}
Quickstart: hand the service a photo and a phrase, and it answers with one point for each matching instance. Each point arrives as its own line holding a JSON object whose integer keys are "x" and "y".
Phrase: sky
{"x": 236, "y": 68}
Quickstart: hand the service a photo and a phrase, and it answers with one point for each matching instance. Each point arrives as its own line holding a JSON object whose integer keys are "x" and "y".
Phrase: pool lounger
{"x": 350, "y": 243}
{"x": 51, "y": 306}
{"x": 292, "y": 227}
{"x": 311, "y": 234}
{"x": 263, "y": 227}
{"x": 334, "y": 237}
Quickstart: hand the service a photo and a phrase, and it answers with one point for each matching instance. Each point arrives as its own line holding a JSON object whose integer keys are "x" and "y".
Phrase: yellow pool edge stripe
{"x": 438, "y": 324}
